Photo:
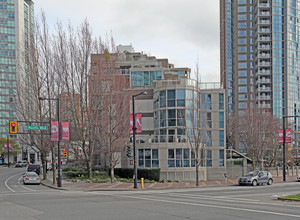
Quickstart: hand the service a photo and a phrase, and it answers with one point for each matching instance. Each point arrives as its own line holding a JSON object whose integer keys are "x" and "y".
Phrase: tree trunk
{"x": 112, "y": 175}
{"x": 89, "y": 168}
{"x": 197, "y": 173}
{"x": 53, "y": 165}
{"x": 44, "y": 162}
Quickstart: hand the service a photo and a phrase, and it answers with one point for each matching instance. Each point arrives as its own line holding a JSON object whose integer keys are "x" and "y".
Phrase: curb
{"x": 52, "y": 186}
{"x": 290, "y": 200}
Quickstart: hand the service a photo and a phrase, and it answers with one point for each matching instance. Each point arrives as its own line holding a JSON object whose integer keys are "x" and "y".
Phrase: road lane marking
{"x": 213, "y": 206}
{"x": 215, "y": 197}
{"x": 9, "y": 179}
{"x": 231, "y": 200}
{"x": 24, "y": 186}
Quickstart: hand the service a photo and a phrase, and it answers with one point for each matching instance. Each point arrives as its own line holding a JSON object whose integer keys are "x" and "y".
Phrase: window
{"x": 171, "y": 117}
{"x": 221, "y": 138}
{"x": 242, "y": 17}
{"x": 186, "y": 157}
{"x": 171, "y": 98}
{"x": 208, "y": 158}
{"x": 148, "y": 158}
{"x": 242, "y": 65}
{"x": 179, "y": 158}
{"x": 221, "y": 158}
{"x": 221, "y": 119}
{"x": 180, "y": 97}
{"x": 242, "y": 9}
{"x": 242, "y": 49}
{"x": 208, "y": 139}
{"x": 242, "y": 33}
{"x": 221, "y": 101}
{"x": 242, "y": 25}
{"x": 171, "y": 158}
{"x": 242, "y": 56}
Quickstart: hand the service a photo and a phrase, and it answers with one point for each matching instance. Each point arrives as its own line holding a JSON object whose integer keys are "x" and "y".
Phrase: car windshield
{"x": 252, "y": 173}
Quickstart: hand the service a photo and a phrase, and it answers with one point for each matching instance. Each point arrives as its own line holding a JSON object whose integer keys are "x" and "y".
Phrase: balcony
{"x": 263, "y": 81}
{"x": 264, "y": 39}
{"x": 264, "y": 105}
{"x": 264, "y": 89}
{"x": 264, "y": 55}
{"x": 264, "y": 22}
{"x": 264, "y": 73}
{"x": 264, "y": 97}
{"x": 264, "y": 47}
{"x": 264, "y": 64}
{"x": 263, "y": 5}
{"x": 264, "y": 13}
{"x": 264, "y": 30}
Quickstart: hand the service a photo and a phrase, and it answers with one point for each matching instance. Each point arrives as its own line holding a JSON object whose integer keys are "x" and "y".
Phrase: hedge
{"x": 149, "y": 174}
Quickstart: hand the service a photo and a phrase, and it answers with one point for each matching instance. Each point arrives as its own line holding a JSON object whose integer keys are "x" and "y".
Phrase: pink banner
{"x": 138, "y": 123}
{"x": 288, "y": 135}
{"x": 5, "y": 146}
{"x": 54, "y": 131}
{"x": 65, "y": 135}
{"x": 131, "y": 124}
{"x": 280, "y": 136}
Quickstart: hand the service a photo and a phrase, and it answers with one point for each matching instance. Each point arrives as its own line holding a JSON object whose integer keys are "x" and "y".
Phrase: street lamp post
{"x": 133, "y": 137}
{"x": 283, "y": 146}
{"x": 59, "y": 179}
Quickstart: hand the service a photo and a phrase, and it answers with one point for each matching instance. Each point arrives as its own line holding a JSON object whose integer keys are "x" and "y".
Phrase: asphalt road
{"x": 229, "y": 203}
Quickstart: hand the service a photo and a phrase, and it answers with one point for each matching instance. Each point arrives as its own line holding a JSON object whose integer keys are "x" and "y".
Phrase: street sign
{"x": 37, "y": 127}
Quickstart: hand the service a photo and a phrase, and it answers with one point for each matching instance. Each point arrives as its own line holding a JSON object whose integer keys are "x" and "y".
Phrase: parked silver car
{"x": 255, "y": 178}
{"x": 31, "y": 178}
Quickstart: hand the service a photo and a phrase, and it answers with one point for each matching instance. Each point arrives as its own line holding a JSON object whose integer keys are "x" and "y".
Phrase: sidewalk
{"x": 121, "y": 186}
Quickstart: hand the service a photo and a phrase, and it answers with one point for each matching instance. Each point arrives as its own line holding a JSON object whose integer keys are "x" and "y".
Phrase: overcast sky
{"x": 180, "y": 30}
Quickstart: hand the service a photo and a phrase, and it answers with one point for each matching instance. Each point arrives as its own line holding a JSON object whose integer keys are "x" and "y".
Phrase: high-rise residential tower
{"x": 260, "y": 56}
{"x": 16, "y": 32}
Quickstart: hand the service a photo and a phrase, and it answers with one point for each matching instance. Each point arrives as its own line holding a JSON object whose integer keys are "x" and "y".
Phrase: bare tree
{"x": 258, "y": 133}
{"x": 197, "y": 138}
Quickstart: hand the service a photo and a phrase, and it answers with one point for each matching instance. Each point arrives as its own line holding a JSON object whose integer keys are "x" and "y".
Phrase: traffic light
{"x": 63, "y": 153}
{"x": 13, "y": 127}
{"x": 128, "y": 151}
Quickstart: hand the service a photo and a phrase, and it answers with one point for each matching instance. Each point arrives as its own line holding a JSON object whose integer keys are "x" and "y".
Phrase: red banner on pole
{"x": 131, "y": 124}
{"x": 138, "y": 123}
{"x": 280, "y": 136}
{"x": 54, "y": 131}
{"x": 288, "y": 135}
{"x": 5, "y": 146}
{"x": 65, "y": 131}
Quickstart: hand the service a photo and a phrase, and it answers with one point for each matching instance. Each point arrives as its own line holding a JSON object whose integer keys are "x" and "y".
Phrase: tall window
{"x": 221, "y": 158}
{"x": 209, "y": 158}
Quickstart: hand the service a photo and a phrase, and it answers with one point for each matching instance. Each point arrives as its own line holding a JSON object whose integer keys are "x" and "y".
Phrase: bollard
{"x": 142, "y": 182}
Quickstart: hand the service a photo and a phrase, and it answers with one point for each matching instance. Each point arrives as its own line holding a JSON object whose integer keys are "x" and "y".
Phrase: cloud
{"x": 178, "y": 30}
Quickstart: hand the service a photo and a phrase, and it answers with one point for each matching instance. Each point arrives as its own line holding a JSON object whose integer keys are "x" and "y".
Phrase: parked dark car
{"x": 255, "y": 178}
{"x": 34, "y": 168}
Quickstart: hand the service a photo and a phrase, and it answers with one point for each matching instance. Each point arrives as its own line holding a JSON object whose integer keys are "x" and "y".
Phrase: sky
{"x": 183, "y": 31}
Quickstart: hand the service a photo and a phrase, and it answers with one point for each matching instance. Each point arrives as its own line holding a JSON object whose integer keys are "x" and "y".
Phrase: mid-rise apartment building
{"x": 170, "y": 109}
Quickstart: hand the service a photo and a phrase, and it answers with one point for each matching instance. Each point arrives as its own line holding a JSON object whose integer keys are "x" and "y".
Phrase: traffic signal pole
{"x": 7, "y": 150}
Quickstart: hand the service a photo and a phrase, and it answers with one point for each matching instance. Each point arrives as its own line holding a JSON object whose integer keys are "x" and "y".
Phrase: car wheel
{"x": 270, "y": 181}
{"x": 254, "y": 183}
